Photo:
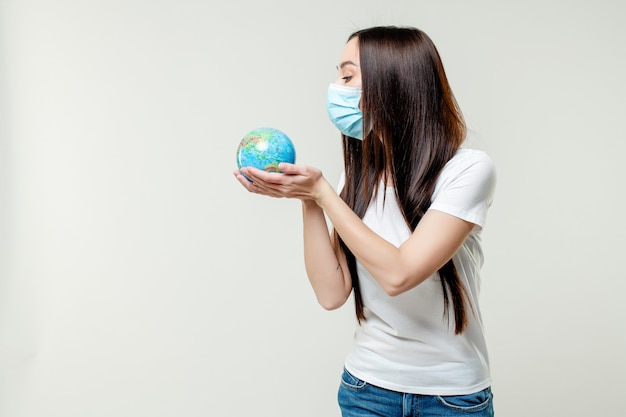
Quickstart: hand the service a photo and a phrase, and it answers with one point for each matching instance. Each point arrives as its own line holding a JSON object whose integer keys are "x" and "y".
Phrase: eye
{"x": 347, "y": 78}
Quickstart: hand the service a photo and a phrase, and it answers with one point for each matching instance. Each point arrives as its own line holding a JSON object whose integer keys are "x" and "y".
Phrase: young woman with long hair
{"x": 406, "y": 230}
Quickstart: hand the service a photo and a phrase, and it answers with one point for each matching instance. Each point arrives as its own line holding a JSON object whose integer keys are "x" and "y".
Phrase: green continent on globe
{"x": 265, "y": 149}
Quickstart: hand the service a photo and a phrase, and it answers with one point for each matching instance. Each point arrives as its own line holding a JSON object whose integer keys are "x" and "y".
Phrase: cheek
{"x": 355, "y": 82}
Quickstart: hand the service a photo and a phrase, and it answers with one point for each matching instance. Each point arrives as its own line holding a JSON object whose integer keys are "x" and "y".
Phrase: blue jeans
{"x": 357, "y": 398}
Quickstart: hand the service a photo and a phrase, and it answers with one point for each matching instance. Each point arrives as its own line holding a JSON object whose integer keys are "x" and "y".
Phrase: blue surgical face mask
{"x": 342, "y": 105}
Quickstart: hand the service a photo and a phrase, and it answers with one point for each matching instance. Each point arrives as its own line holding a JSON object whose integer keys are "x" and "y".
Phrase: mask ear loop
{"x": 369, "y": 129}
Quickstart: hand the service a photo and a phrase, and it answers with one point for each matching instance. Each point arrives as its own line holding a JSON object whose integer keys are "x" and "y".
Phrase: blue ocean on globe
{"x": 264, "y": 148}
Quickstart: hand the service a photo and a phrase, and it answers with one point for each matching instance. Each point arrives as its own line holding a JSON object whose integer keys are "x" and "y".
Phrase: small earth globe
{"x": 264, "y": 148}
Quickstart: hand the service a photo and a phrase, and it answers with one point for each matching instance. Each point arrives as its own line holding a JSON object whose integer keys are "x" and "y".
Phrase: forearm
{"x": 371, "y": 250}
{"x": 395, "y": 269}
{"x": 326, "y": 269}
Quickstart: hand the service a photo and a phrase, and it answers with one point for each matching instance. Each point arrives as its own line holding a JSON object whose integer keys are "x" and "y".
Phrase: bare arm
{"x": 435, "y": 240}
{"x": 327, "y": 270}
{"x": 397, "y": 269}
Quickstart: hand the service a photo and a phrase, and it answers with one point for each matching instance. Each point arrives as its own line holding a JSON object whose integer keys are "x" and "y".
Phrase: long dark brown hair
{"x": 412, "y": 128}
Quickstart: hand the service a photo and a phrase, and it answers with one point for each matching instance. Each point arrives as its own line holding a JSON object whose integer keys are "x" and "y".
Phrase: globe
{"x": 264, "y": 148}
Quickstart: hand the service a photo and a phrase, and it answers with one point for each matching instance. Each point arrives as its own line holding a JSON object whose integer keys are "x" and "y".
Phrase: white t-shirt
{"x": 406, "y": 343}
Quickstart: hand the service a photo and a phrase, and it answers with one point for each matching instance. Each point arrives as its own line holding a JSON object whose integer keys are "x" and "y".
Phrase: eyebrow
{"x": 344, "y": 63}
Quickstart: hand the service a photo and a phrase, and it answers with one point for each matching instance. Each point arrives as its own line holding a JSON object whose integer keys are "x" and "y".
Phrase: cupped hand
{"x": 294, "y": 181}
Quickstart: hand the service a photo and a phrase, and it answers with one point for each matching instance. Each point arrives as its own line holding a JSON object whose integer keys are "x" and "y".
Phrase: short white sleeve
{"x": 465, "y": 187}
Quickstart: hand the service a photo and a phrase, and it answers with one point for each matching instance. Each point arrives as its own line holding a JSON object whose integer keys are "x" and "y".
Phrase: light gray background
{"x": 139, "y": 279}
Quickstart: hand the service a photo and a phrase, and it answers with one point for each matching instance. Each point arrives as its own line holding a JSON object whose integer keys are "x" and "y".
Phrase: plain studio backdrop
{"x": 138, "y": 278}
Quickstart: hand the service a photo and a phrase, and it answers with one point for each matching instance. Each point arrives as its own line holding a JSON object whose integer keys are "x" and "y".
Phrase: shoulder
{"x": 465, "y": 186}
{"x": 466, "y": 158}
{"x": 470, "y": 171}
{"x": 469, "y": 164}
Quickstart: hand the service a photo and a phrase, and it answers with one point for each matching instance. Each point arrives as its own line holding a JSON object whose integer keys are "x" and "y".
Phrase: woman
{"x": 406, "y": 231}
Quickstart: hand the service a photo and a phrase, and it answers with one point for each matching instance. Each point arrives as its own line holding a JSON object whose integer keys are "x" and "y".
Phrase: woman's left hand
{"x": 294, "y": 181}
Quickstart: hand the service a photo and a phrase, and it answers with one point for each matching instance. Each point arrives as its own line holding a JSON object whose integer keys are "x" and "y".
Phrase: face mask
{"x": 342, "y": 105}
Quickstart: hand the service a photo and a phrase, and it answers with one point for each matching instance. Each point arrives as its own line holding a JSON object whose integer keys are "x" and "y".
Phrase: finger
{"x": 253, "y": 184}
{"x": 266, "y": 191}
{"x": 239, "y": 175}
{"x": 266, "y": 177}
{"x": 251, "y": 173}
{"x": 245, "y": 182}
{"x": 287, "y": 168}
